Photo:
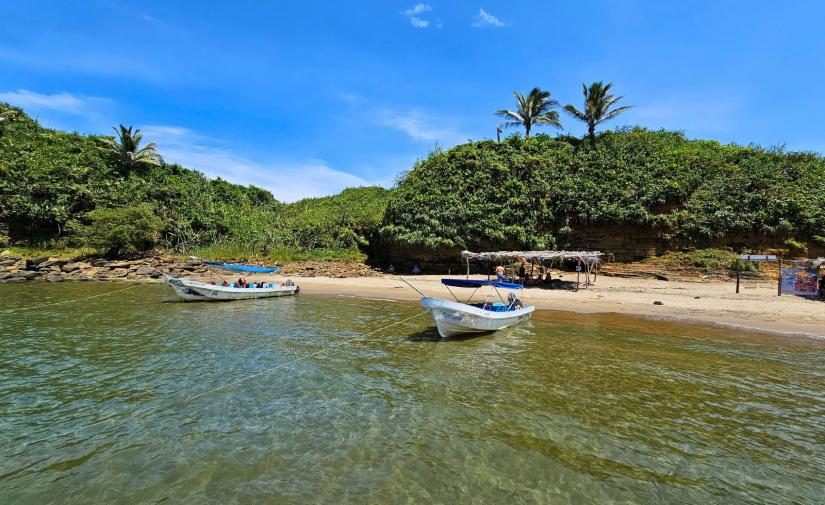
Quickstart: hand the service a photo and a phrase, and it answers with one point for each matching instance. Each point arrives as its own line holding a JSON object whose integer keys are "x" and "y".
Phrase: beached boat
{"x": 195, "y": 290}
{"x": 454, "y": 318}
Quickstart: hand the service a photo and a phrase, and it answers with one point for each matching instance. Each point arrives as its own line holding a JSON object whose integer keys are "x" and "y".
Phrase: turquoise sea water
{"x": 111, "y": 401}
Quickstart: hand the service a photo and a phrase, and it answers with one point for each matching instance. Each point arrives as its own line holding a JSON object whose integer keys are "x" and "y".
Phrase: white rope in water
{"x": 70, "y": 301}
{"x": 296, "y": 360}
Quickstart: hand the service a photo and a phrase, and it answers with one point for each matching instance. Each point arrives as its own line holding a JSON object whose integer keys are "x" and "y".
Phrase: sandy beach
{"x": 756, "y": 307}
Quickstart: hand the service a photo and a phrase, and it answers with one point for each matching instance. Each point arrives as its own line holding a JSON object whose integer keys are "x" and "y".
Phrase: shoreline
{"x": 757, "y": 308}
{"x": 711, "y": 303}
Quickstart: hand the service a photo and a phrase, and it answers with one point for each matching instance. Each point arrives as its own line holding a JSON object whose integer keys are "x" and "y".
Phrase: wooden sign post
{"x": 758, "y": 257}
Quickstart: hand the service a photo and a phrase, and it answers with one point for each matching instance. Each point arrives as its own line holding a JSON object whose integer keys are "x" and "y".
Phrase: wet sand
{"x": 756, "y": 307}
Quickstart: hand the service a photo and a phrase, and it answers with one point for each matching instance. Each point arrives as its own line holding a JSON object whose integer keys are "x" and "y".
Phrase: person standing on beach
{"x": 500, "y": 273}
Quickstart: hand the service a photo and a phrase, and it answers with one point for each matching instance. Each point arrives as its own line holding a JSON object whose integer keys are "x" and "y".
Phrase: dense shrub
{"x": 532, "y": 193}
{"x": 120, "y": 230}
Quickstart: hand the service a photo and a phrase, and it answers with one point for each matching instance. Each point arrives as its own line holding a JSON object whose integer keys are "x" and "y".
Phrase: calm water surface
{"x": 96, "y": 406}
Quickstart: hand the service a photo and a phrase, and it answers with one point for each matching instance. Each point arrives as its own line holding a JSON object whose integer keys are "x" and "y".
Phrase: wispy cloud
{"x": 288, "y": 180}
{"x": 415, "y": 15}
{"x": 486, "y": 20}
{"x": 64, "y": 110}
{"x": 61, "y": 102}
{"x": 421, "y": 126}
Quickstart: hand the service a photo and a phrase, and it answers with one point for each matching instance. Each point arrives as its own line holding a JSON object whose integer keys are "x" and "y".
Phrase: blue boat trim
{"x": 242, "y": 268}
{"x": 473, "y": 283}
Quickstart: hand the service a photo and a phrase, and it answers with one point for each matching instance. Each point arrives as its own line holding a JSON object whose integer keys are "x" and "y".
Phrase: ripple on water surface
{"x": 103, "y": 401}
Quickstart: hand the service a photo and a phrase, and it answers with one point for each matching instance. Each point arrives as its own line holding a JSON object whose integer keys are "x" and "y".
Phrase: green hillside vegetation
{"x": 61, "y": 190}
{"x": 64, "y": 190}
{"x": 534, "y": 193}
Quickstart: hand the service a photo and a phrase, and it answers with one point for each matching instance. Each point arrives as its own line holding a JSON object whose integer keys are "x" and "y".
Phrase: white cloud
{"x": 424, "y": 127}
{"x": 288, "y": 180}
{"x": 60, "y": 102}
{"x": 414, "y": 14}
{"x": 484, "y": 19}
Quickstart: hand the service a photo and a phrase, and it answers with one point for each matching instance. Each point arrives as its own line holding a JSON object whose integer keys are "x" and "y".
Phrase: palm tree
{"x": 128, "y": 151}
{"x": 597, "y": 104}
{"x": 533, "y": 109}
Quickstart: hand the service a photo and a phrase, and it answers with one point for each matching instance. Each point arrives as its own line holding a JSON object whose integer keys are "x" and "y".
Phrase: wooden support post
{"x": 779, "y": 282}
{"x": 578, "y": 274}
{"x": 468, "y": 268}
{"x": 737, "y": 274}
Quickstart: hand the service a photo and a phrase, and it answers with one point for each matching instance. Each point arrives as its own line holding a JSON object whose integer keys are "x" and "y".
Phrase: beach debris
{"x": 658, "y": 302}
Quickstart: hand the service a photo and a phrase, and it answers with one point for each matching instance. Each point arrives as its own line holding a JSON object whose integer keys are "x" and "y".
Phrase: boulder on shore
{"x": 118, "y": 272}
{"x": 33, "y": 262}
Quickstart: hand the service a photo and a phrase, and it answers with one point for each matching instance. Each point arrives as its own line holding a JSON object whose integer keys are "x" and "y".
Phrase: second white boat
{"x": 454, "y": 318}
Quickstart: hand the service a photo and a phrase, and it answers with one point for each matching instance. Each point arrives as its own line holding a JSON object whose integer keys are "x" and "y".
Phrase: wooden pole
{"x": 468, "y": 268}
{"x": 737, "y": 274}
{"x": 779, "y": 283}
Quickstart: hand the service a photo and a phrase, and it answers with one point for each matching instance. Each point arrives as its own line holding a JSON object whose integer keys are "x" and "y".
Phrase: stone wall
{"x": 16, "y": 269}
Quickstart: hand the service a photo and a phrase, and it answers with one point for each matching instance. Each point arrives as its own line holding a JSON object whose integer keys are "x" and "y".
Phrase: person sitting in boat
{"x": 500, "y": 273}
{"x": 225, "y": 284}
{"x": 515, "y": 303}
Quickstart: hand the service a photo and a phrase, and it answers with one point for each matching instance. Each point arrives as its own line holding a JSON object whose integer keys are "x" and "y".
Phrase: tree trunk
{"x": 527, "y": 131}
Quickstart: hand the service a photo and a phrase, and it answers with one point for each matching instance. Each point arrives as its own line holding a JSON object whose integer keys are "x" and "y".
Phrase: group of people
{"x": 243, "y": 283}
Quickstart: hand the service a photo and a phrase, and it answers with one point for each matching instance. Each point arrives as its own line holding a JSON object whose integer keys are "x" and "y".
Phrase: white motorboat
{"x": 454, "y": 318}
{"x": 195, "y": 290}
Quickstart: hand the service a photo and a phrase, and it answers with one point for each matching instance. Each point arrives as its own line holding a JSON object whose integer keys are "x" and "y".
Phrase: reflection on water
{"x": 95, "y": 406}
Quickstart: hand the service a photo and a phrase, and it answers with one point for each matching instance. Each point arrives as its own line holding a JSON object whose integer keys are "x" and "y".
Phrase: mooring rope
{"x": 300, "y": 358}
{"x": 70, "y": 301}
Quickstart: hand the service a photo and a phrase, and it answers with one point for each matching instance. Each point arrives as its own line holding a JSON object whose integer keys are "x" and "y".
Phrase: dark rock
{"x": 55, "y": 278}
{"x": 156, "y": 274}
{"x": 26, "y": 274}
{"x": 100, "y": 262}
{"x": 33, "y": 262}
{"x": 4, "y": 263}
{"x": 118, "y": 272}
{"x": 71, "y": 267}
{"x": 16, "y": 279}
{"x": 657, "y": 302}
{"x": 6, "y": 275}
{"x": 144, "y": 270}
{"x": 52, "y": 263}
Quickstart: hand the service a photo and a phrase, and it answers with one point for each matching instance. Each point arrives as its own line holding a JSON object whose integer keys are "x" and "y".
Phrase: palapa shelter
{"x": 586, "y": 261}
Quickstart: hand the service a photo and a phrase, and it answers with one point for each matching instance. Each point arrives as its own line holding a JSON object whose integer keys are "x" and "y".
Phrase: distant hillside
{"x": 51, "y": 180}
{"x": 632, "y": 192}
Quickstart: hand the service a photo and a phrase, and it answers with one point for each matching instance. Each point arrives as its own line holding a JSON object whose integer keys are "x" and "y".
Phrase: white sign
{"x": 757, "y": 257}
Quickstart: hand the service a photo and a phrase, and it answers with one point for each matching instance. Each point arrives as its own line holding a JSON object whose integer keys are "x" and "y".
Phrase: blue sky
{"x": 306, "y": 98}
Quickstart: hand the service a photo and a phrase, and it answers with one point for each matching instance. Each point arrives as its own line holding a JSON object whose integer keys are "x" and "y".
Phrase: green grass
{"x": 224, "y": 252}
{"x": 50, "y": 251}
{"x": 704, "y": 260}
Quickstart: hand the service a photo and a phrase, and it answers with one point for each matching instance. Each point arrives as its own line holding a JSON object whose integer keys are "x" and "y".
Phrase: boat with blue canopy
{"x": 188, "y": 289}
{"x": 494, "y": 312}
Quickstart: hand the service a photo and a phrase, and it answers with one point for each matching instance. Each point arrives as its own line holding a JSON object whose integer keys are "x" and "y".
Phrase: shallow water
{"x": 96, "y": 405}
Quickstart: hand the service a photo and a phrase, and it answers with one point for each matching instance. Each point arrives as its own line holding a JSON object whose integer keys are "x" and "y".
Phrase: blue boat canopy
{"x": 473, "y": 283}
{"x": 242, "y": 268}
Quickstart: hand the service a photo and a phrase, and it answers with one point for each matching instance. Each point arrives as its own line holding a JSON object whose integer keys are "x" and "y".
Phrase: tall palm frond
{"x": 597, "y": 106}
{"x": 534, "y": 109}
{"x": 128, "y": 151}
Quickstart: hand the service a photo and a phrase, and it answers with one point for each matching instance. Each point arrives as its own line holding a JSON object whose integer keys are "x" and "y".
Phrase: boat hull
{"x": 200, "y": 291}
{"x": 456, "y": 319}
